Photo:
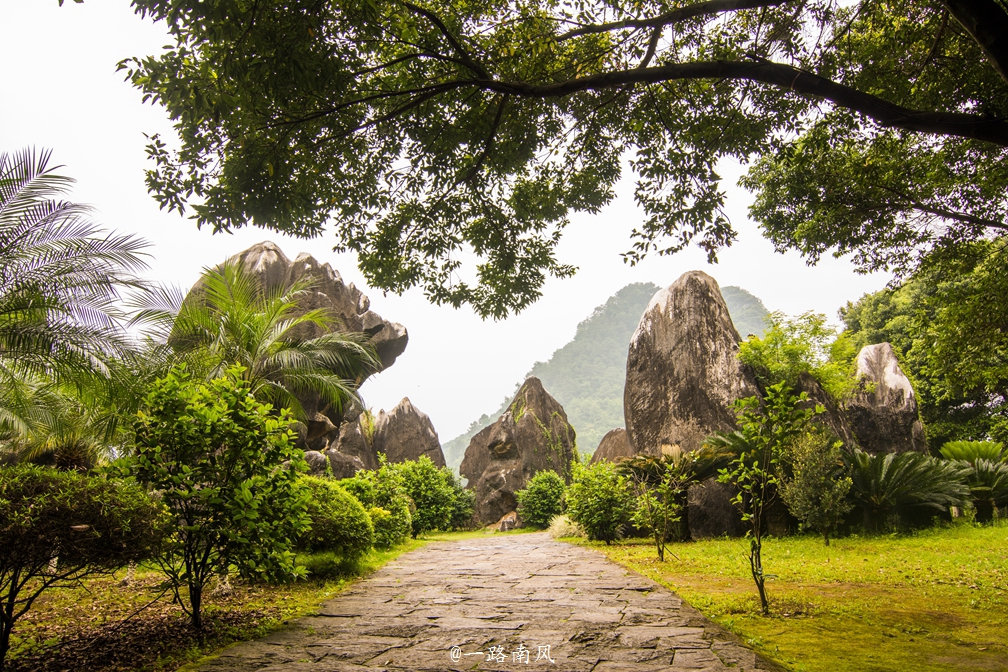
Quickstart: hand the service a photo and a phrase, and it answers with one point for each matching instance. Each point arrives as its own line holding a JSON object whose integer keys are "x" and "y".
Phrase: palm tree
{"x": 61, "y": 277}
{"x": 230, "y": 318}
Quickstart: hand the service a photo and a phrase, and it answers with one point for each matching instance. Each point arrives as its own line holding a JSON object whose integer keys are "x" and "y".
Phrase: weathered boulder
{"x": 710, "y": 512}
{"x": 883, "y": 412}
{"x": 343, "y": 465}
{"x": 349, "y": 305}
{"x": 354, "y": 441}
{"x": 406, "y": 433}
{"x": 316, "y": 462}
{"x": 532, "y": 435}
{"x": 832, "y": 417}
{"x": 614, "y": 446}
{"x": 683, "y": 374}
{"x": 510, "y": 521}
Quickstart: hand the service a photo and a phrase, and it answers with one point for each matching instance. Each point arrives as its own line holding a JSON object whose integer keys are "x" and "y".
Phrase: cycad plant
{"x": 231, "y": 319}
{"x": 61, "y": 278}
{"x": 971, "y": 451}
{"x": 898, "y": 487}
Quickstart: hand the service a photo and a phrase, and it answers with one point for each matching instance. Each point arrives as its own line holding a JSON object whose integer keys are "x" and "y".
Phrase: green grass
{"x": 105, "y": 625}
{"x": 934, "y": 600}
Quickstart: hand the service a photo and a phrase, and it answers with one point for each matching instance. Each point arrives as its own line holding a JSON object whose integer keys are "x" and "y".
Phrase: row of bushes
{"x": 825, "y": 488}
{"x": 212, "y": 484}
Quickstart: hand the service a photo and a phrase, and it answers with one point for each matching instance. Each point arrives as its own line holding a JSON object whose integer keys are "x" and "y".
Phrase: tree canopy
{"x": 447, "y": 144}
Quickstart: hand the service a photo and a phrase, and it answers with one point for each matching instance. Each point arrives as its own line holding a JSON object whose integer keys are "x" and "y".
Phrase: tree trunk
{"x": 756, "y": 565}
{"x": 195, "y": 601}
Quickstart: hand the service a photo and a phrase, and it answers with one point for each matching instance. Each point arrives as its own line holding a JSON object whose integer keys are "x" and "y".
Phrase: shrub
{"x": 971, "y": 451}
{"x": 816, "y": 493}
{"x": 57, "y": 527}
{"x": 433, "y": 496}
{"x": 562, "y": 526}
{"x": 383, "y": 489}
{"x": 228, "y": 472}
{"x": 463, "y": 504}
{"x": 892, "y": 488}
{"x": 339, "y": 522}
{"x": 599, "y": 500}
{"x": 541, "y": 499}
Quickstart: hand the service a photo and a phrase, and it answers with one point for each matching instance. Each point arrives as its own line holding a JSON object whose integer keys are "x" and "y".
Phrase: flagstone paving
{"x": 497, "y": 603}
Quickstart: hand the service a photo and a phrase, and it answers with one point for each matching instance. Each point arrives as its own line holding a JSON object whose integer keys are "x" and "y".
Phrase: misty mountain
{"x": 586, "y": 376}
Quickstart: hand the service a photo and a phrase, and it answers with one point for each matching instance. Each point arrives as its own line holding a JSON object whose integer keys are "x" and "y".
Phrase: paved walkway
{"x": 484, "y": 604}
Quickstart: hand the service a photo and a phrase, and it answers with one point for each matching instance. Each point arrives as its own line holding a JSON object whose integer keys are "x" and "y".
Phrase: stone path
{"x": 520, "y": 592}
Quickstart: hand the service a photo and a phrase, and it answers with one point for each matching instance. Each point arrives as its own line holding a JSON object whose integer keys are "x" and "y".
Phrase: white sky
{"x": 60, "y": 90}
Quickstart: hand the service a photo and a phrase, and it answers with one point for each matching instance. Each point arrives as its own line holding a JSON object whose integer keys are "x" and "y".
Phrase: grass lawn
{"x": 934, "y": 600}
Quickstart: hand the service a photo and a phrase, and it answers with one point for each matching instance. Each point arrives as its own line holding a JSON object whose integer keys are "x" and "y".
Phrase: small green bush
{"x": 816, "y": 493}
{"x": 463, "y": 504}
{"x": 57, "y": 527}
{"x": 541, "y": 499}
{"x": 432, "y": 494}
{"x": 599, "y": 500}
{"x": 339, "y": 522}
{"x": 384, "y": 489}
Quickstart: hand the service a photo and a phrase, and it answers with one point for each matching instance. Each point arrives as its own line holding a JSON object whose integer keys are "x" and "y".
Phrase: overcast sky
{"x": 60, "y": 90}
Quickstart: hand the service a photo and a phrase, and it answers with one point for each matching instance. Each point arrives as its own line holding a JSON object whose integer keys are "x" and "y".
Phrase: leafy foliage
{"x": 792, "y": 346}
{"x": 420, "y": 131}
{"x": 660, "y": 485}
{"x": 338, "y": 521}
{"x": 971, "y": 451}
{"x": 599, "y": 500}
{"x": 61, "y": 277}
{"x": 434, "y": 493}
{"x": 384, "y": 489}
{"x": 896, "y": 488}
{"x": 541, "y": 499}
{"x": 988, "y": 486}
{"x": 766, "y": 428}
{"x": 59, "y": 527}
{"x": 231, "y": 319}
{"x": 226, "y": 468}
{"x": 816, "y": 493}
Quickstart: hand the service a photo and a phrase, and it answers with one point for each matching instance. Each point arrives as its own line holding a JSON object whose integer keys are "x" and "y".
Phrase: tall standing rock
{"x": 531, "y": 436}
{"x": 883, "y": 412}
{"x": 683, "y": 373}
{"x": 406, "y": 433}
{"x": 614, "y": 446}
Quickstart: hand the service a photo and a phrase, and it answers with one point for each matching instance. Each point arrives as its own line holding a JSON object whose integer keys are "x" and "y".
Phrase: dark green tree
{"x": 422, "y": 131}
{"x": 227, "y": 470}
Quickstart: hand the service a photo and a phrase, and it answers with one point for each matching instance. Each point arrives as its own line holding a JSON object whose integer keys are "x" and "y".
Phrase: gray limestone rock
{"x": 883, "y": 412}
{"x": 832, "y": 417}
{"x": 683, "y": 373}
{"x": 532, "y": 435}
{"x": 615, "y": 445}
{"x": 406, "y": 433}
{"x": 342, "y": 465}
{"x": 710, "y": 512}
{"x": 353, "y": 441}
{"x": 316, "y": 462}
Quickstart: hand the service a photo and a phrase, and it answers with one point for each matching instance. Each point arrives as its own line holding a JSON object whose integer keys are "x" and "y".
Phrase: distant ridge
{"x": 586, "y": 376}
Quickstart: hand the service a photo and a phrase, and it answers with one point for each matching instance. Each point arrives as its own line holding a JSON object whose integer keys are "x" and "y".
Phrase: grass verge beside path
{"x": 104, "y": 625}
{"x": 935, "y": 600}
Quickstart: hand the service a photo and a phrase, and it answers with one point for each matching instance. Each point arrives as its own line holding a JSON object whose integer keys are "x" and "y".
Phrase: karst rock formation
{"x": 883, "y": 411}
{"x": 615, "y": 445}
{"x": 533, "y": 434}
{"x": 683, "y": 373}
{"x": 406, "y": 433}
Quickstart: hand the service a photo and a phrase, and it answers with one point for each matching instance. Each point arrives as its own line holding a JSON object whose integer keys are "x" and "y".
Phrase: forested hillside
{"x": 586, "y": 376}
